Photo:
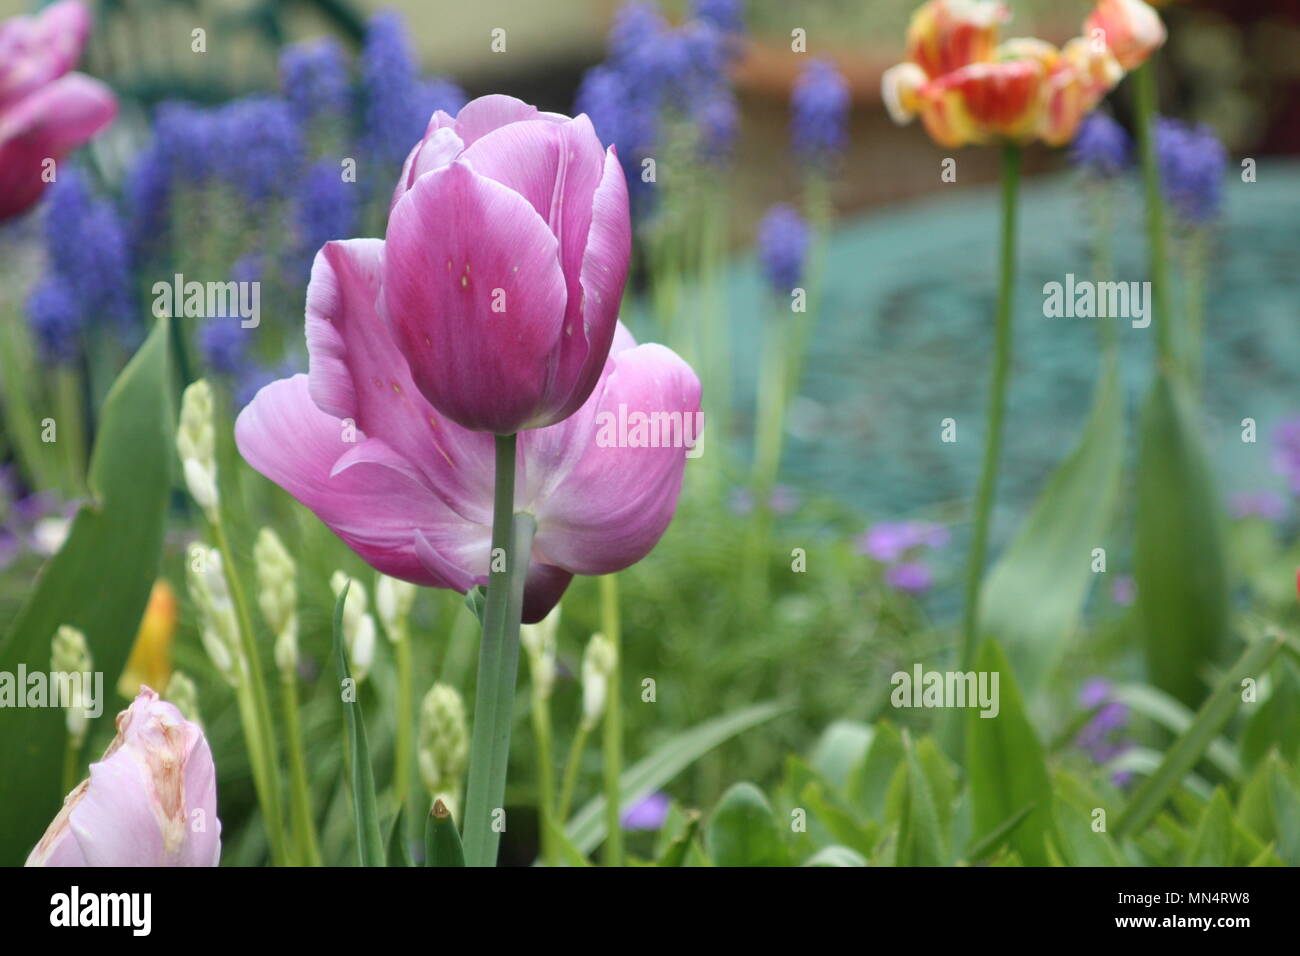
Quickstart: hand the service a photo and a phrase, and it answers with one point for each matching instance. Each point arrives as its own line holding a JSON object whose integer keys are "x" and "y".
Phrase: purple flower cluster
{"x": 900, "y": 546}
{"x": 89, "y": 275}
{"x": 1101, "y": 148}
{"x": 314, "y": 79}
{"x": 1103, "y": 737}
{"x": 651, "y": 67}
{"x": 327, "y": 207}
{"x": 782, "y": 247}
{"x": 397, "y": 103}
{"x": 725, "y": 15}
{"x": 1265, "y": 504}
{"x": 819, "y": 114}
{"x": 261, "y": 145}
{"x": 1192, "y": 166}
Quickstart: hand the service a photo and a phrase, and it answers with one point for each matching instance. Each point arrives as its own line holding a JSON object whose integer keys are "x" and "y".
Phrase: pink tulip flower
{"x": 45, "y": 111}
{"x": 150, "y": 801}
{"x": 507, "y": 251}
{"x": 410, "y": 490}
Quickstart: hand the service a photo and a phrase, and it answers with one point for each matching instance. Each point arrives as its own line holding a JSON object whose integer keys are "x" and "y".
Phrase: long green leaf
{"x": 1176, "y": 718}
{"x": 365, "y": 808}
{"x": 743, "y": 830}
{"x": 1179, "y": 564}
{"x": 441, "y": 839}
{"x": 587, "y": 828}
{"x": 1006, "y": 766}
{"x": 1032, "y": 599}
{"x": 1192, "y": 744}
{"x": 98, "y": 582}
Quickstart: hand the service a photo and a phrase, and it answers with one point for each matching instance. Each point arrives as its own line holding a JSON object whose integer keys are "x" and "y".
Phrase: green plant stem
{"x": 512, "y": 539}
{"x": 304, "y": 825}
{"x": 1145, "y": 79}
{"x": 541, "y": 712}
{"x": 1194, "y": 313}
{"x": 570, "y": 780}
{"x": 403, "y": 741}
{"x": 72, "y": 430}
{"x": 257, "y": 765}
{"x": 71, "y": 761}
{"x": 997, "y": 405}
{"x": 260, "y": 713}
{"x": 613, "y": 763}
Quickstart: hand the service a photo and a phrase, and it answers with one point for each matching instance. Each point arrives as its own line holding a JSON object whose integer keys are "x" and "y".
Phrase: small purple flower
{"x": 1268, "y": 505}
{"x": 148, "y": 193}
{"x": 820, "y": 110}
{"x": 1101, "y": 148}
{"x": 85, "y": 239}
{"x": 1286, "y": 452}
{"x": 782, "y": 247}
{"x": 1123, "y": 590}
{"x": 888, "y": 541}
{"x": 911, "y": 577}
{"x": 717, "y": 120}
{"x": 397, "y": 104}
{"x": 327, "y": 208}
{"x": 624, "y": 115}
{"x": 1192, "y": 166}
{"x": 314, "y": 78}
{"x": 1103, "y": 737}
{"x": 784, "y": 500}
{"x": 188, "y": 140}
{"x": 638, "y": 26}
{"x": 648, "y": 814}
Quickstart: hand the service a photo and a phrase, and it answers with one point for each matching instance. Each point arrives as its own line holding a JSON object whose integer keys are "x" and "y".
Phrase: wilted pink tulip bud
{"x": 151, "y": 800}
{"x": 506, "y": 255}
{"x": 45, "y": 111}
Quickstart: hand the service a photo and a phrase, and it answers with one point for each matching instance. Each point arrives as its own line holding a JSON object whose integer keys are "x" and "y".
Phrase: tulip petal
{"x": 371, "y": 500}
{"x": 603, "y": 498}
{"x": 475, "y": 297}
{"x": 48, "y": 124}
{"x": 358, "y": 373}
{"x": 481, "y": 116}
{"x": 36, "y": 50}
{"x": 543, "y": 589}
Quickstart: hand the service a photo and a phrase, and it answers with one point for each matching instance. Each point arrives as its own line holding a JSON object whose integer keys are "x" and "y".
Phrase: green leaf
{"x": 836, "y": 856}
{"x": 743, "y": 831}
{"x": 442, "y": 839}
{"x": 99, "y": 582}
{"x": 838, "y": 749}
{"x": 921, "y": 839}
{"x": 1275, "y": 722}
{"x": 365, "y": 808}
{"x": 399, "y": 852}
{"x": 1006, "y": 766}
{"x": 1182, "y": 756}
{"x": 1033, "y": 597}
{"x": 569, "y": 853}
{"x": 675, "y": 853}
{"x": 587, "y": 827}
{"x": 989, "y": 844}
{"x": 1176, "y": 718}
{"x": 837, "y": 820}
{"x": 1212, "y": 844}
{"x": 869, "y": 780}
{"x": 1285, "y": 799}
{"x": 1179, "y": 564}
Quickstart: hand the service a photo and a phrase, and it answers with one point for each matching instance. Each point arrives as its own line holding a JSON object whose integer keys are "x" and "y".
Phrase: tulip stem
{"x": 405, "y": 715}
{"x": 1145, "y": 79}
{"x": 498, "y": 663}
{"x": 259, "y": 701}
{"x": 997, "y": 404}
{"x": 304, "y": 825}
{"x": 71, "y": 761}
{"x": 613, "y": 723}
{"x": 576, "y": 747}
{"x": 541, "y": 712}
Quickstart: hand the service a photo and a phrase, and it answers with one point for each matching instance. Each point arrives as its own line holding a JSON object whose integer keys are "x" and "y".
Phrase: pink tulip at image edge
{"x": 151, "y": 800}
{"x": 45, "y": 111}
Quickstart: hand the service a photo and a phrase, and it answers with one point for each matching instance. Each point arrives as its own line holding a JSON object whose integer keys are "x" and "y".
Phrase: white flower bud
{"x": 539, "y": 642}
{"x": 196, "y": 445}
{"x": 220, "y": 626}
{"x": 358, "y": 626}
{"x": 182, "y": 692}
{"x": 277, "y": 596}
{"x": 70, "y": 655}
{"x": 443, "y": 740}
{"x": 597, "y": 666}
{"x": 393, "y": 601}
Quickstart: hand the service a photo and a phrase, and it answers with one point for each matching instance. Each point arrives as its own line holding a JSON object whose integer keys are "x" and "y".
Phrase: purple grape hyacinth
{"x": 1101, "y": 148}
{"x": 782, "y": 247}
{"x": 1192, "y": 166}
{"x": 819, "y": 114}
